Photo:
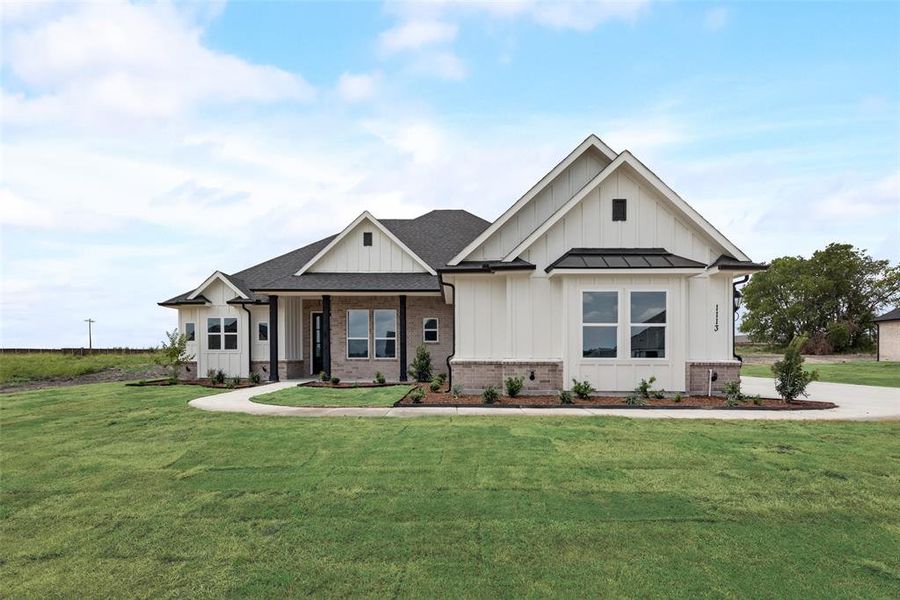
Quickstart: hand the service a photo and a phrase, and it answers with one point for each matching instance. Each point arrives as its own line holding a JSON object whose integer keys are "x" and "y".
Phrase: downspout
{"x": 453, "y": 349}
{"x": 249, "y": 340}
{"x": 734, "y": 285}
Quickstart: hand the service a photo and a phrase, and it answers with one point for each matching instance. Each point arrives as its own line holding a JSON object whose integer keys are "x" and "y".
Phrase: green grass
{"x": 312, "y": 396}
{"x": 111, "y": 491}
{"x": 860, "y": 372}
{"x": 20, "y": 368}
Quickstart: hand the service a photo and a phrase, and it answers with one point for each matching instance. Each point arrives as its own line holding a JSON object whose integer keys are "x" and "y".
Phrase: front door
{"x": 317, "y": 354}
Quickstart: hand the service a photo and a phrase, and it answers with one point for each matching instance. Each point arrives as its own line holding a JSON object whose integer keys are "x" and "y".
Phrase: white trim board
{"x": 627, "y": 158}
{"x": 592, "y": 141}
{"x": 365, "y": 216}
{"x": 223, "y": 278}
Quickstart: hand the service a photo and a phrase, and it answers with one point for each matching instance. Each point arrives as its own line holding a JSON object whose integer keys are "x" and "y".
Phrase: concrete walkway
{"x": 855, "y": 403}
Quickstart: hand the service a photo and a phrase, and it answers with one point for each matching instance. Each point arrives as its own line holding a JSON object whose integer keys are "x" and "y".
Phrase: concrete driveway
{"x": 855, "y": 403}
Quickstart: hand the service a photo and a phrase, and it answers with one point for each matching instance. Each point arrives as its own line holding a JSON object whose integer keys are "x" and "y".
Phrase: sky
{"x": 144, "y": 146}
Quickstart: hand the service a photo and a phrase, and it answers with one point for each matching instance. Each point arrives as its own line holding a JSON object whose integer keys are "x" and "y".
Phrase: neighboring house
{"x": 889, "y": 335}
{"x": 599, "y": 272}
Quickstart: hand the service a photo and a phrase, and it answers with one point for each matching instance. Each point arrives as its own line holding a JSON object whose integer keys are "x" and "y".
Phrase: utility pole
{"x": 89, "y": 322}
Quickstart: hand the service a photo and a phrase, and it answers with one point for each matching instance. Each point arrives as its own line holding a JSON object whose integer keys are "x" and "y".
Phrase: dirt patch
{"x": 687, "y": 402}
{"x": 812, "y": 359}
{"x": 105, "y": 376}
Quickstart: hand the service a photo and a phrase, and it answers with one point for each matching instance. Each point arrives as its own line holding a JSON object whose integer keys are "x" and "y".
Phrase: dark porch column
{"x": 273, "y": 338}
{"x": 402, "y": 338}
{"x": 326, "y": 334}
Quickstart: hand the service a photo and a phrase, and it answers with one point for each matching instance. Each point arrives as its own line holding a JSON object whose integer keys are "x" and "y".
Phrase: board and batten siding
{"x": 651, "y": 223}
{"x": 539, "y": 208}
{"x": 234, "y": 362}
{"x": 349, "y": 255}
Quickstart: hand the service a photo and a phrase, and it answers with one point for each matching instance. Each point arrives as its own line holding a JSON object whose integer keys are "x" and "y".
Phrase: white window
{"x": 648, "y": 324}
{"x": 385, "y": 333}
{"x": 599, "y": 324}
{"x": 189, "y": 332}
{"x": 262, "y": 332}
{"x": 221, "y": 333}
{"x": 357, "y": 333}
{"x": 430, "y": 330}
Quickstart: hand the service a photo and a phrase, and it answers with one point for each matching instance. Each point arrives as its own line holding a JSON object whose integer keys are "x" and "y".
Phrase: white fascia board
{"x": 223, "y": 278}
{"x": 684, "y": 271}
{"x": 366, "y": 215}
{"x": 592, "y": 141}
{"x": 627, "y": 158}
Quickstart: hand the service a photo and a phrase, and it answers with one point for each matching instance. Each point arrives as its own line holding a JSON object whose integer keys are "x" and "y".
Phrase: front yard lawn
{"x": 114, "y": 491}
{"x": 322, "y": 396}
{"x": 860, "y": 372}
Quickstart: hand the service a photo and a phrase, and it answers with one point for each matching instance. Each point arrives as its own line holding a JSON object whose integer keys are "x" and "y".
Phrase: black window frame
{"x": 367, "y": 238}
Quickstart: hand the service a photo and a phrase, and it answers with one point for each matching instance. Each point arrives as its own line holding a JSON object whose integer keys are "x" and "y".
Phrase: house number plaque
{"x": 716, "y": 328}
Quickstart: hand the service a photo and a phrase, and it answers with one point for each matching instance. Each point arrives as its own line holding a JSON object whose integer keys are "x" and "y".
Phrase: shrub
{"x": 582, "y": 389}
{"x": 420, "y": 368}
{"x": 173, "y": 354}
{"x": 335, "y": 380}
{"x": 678, "y": 398}
{"x": 435, "y": 385}
{"x": 442, "y": 377}
{"x": 790, "y": 377}
{"x": 490, "y": 395}
{"x": 817, "y": 344}
{"x": 565, "y": 397}
{"x": 255, "y": 378}
{"x": 457, "y": 391}
{"x": 839, "y": 336}
{"x": 379, "y": 377}
{"x": 644, "y": 392}
{"x": 513, "y": 386}
{"x": 235, "y": 381}
{"x": 323, "y": 376}
{"x": 218, "y": 377}
{"x": 733, "y": 395}
{"x": 417, "y": 394}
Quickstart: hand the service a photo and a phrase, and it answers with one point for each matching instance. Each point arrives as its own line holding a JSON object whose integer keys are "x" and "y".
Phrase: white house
{"x": 600, "y": 272}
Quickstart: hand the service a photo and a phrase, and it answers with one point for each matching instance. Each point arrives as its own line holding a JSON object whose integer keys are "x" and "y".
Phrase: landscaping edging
{"x": 787, "y": 408}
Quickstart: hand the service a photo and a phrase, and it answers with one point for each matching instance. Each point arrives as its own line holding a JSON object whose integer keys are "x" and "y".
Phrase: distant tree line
{"x": 832, "y": 298}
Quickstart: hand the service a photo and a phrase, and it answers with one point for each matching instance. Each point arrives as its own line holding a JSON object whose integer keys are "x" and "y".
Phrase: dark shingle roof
{"x": 893, "y": 315}
{"x": 436, "y": 237}
{"x": 622, "y": 258}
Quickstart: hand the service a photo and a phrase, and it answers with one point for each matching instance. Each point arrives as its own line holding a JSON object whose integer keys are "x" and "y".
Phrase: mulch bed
{"x": 327, "y": 384}
{"x": 204, "y": 382}
{"x": 687, "y": 402}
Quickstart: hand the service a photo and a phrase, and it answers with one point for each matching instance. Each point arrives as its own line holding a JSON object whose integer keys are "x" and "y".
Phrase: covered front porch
{"x": 352, "y": 335}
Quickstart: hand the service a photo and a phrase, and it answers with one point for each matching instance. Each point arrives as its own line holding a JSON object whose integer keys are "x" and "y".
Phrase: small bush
{"x": 565, "y": 397}
{"x": 379, "y": 377}
{"x": 235, "y": 381}
{"x": 644, "y": 392}
{"x": 490, "y": 395}
{"x": 513, "y": 386}
{"x": 218, "y": 377}
{"x": 790, "y": 377}
{"x": 323, "y": 376}
{"x": 420, "y": 368}
{"x": 635, "y": 399}
{"x": 436, "y": 384}
{"x": 255, "y": 378}
{"x": 457, "y": 391}
{"x": 582, "y": 389}
{"x": 417, "y": 394}
{"x": 335, "y": 380}
{"x": 678, "y": 398}
{"x": 442, "y": 377}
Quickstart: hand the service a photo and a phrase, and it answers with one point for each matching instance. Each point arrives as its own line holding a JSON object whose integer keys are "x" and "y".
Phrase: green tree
{"x": 791, "y": 378}
{"x": 173, "y": 354}
{"x": 839, "y": 290}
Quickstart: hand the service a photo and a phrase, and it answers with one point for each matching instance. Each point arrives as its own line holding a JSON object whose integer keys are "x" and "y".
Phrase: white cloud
{"x": 97, "y": 62}
{"x": 415, "y": 34}
{"x": 442, "y": 65}
{"x": 355, "y": 87}
{"x": 716, "y": 18}
{"x": 584, "y": 15}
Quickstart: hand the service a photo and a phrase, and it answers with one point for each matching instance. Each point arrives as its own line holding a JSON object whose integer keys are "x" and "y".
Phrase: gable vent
{"x": 618, "y": 209}
{"x": 367, "y": 238}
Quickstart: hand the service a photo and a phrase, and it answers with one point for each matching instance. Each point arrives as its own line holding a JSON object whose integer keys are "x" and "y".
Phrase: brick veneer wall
{"x": 417, "y": 308}
{"x": 287, "y": 369}
{"x": 697, "y": 376}
{"x": 189, "y": 371}
{"x": 475, "y": 375}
